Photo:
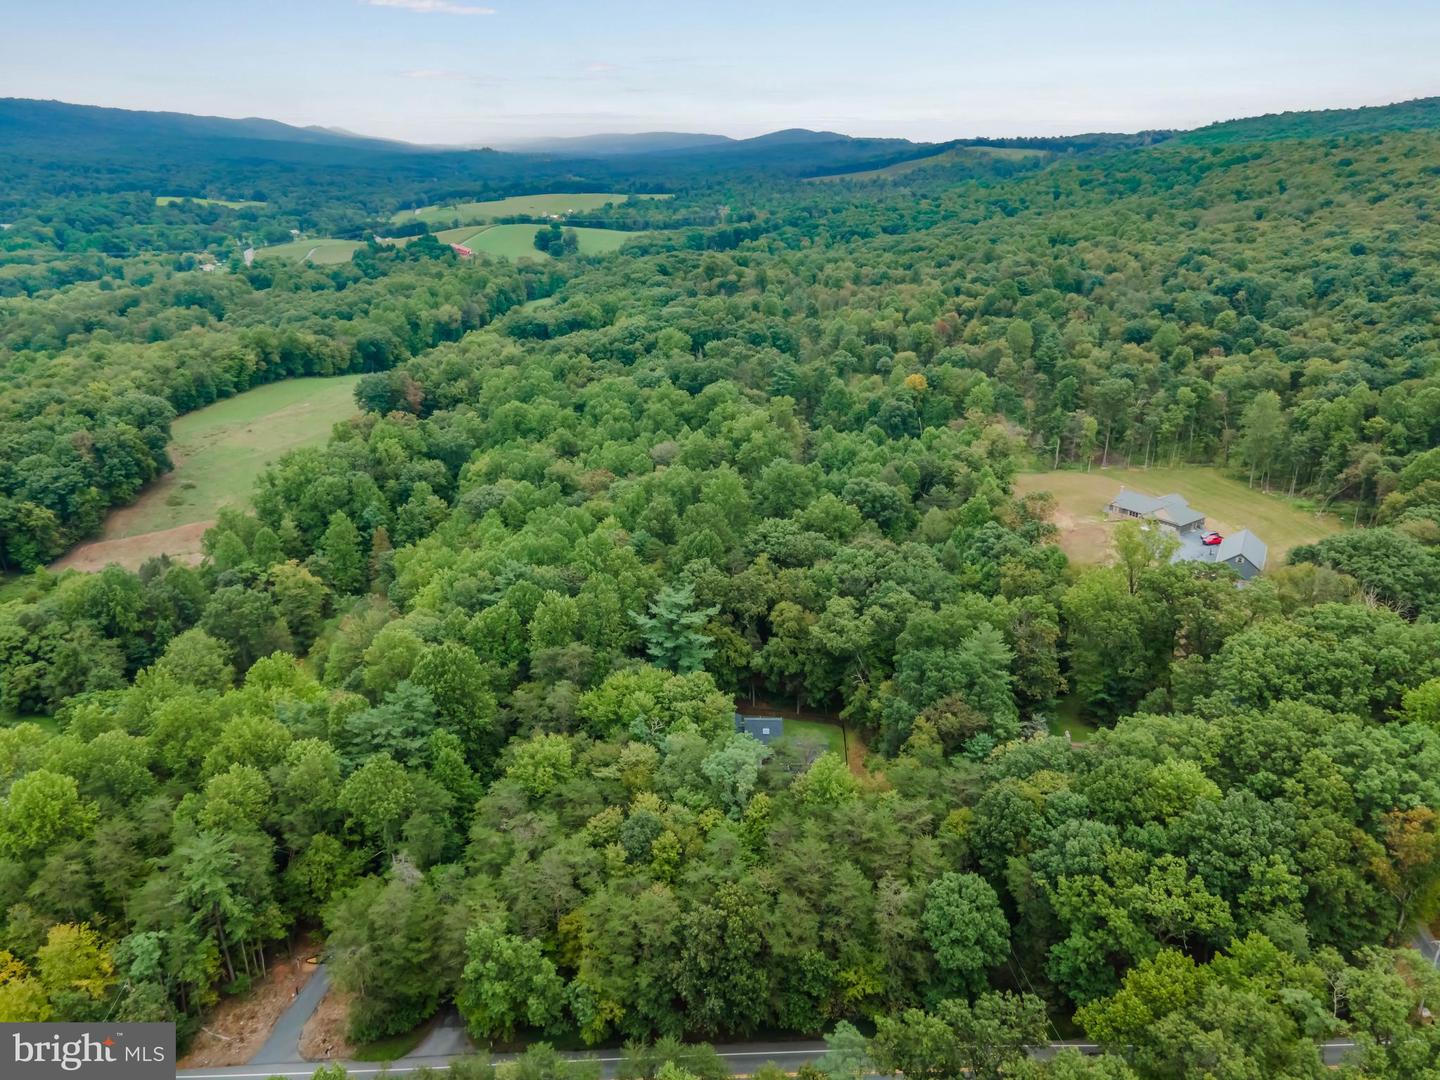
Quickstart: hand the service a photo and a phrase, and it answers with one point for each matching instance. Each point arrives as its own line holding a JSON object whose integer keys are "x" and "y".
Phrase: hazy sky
{"x": 475, "y": 71}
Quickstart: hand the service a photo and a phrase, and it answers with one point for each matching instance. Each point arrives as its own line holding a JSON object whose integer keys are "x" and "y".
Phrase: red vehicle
{"x": 1211, "y": 539}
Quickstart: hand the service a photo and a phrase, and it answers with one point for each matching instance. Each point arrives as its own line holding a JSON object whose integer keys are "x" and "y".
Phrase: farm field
{"x": 518, "y": 241}
{"x": 537, "y": 205}
{"x": 218, "y": 452}
{"x": 945, "y": 157}
{"x": 234, "y": 204}
{"x": 450, "y": 236}
{"x": 1228, "y": 504}
{"x": 506, "y": 241}
{"x": 322, "y": 252}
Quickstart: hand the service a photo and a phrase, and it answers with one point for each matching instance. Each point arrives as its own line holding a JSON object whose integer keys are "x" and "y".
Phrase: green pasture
{"x": 531, "y": 205}
{"x": 322, "y": 252}
{"x": 220, "y": 450}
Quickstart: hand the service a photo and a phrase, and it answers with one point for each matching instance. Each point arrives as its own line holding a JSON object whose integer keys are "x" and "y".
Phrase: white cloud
{"x": 432, "y": 7}
{"x": 431, "y": 73}
{"x": 601, "y": 68}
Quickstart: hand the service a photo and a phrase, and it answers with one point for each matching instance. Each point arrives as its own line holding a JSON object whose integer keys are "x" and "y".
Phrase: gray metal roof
{"x": 764, "y": 728}
{"x": 1243, "y": 543}
{"x": 1173, "y": 507}
{"x": 1180, "y": 515}
{"x": 1135, "y": 503}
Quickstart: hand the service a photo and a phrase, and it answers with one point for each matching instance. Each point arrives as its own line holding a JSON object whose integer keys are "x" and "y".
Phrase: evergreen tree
{"x": 342, "y": 560}
{"x": 672, "y": 630}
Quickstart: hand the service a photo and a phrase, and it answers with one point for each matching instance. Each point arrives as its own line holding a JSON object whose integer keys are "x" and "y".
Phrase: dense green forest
{"x": 458, "y": 690}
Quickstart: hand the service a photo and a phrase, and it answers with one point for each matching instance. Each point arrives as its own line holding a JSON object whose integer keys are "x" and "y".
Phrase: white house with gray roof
{"x": 1244, "y": 552}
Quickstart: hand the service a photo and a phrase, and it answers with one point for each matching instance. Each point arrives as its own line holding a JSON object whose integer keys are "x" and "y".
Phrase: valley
{"x": 588, "y": 662}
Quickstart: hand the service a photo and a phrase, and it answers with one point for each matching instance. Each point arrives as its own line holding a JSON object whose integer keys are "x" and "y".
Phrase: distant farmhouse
{"x": 765, "y": 728}
{"x": 1243, "y": 551}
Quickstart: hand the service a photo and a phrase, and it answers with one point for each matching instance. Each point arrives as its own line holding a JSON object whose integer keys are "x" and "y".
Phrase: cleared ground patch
{"x": 532, "y": 205}
{"x": 238, "y": 1026}
{"x": 218, "y": 452}
{"x": 1228, "y": 505}
{"x": 322, "y": 252}
{"x": 945, "y": 157}
{"x": 233, "y": 204}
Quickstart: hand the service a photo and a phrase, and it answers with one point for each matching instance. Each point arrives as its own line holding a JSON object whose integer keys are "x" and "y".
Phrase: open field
{"x": 218, "y": 452}
{"x": 518, "y": 241}
{"x": 945, "y": 157}
{"x": 506, "y": 241}
{"x": 1228, "y": 504}
{"x": 534, "y": 205}
{"x": 322, "y": 251}
{"x": 234, "y": 204}
{"x": 453, "y": 236}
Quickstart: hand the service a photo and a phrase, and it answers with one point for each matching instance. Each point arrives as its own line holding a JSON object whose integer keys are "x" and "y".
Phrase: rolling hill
{"x": 618, "y": 144}
{"x": 58, "y": 122}
{"x": 1416, "y": 115}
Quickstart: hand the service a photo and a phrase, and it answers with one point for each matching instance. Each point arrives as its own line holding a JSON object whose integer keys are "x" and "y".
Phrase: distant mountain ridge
{"x": 49, "y": 120}
{"x": 612, "y": 143}
{"x": 52, "y": 147}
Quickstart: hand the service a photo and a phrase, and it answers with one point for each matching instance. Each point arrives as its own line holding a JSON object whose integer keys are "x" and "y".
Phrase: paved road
{"x": 1426, "y": 945}
{"x": 280, "y": 1056}
{"x": 743, "y": 1059}
{"x": 283, "y": 1045}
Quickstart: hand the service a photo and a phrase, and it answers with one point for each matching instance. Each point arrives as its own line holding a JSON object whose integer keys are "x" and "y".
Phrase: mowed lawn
{"x": 831, "y": 735}
{"x": 531, "y": 205}
{"x": 1228, "y": 505}
{"x": 218, "y": 452}
{"x": 322, "y": 252}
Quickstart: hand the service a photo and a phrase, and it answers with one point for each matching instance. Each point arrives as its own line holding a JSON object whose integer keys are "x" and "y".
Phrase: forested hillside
{"x": 1420, "y": 114}
{"x": 458, "y": 691}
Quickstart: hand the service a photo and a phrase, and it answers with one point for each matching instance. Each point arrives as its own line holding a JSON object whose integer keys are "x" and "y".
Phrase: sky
{"x": 485, "y": 72}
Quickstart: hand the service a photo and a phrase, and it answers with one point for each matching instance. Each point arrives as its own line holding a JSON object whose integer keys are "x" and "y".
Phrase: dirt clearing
{"x": 237, "y": 1027}
{"x": 324, "y": 1036}
{"x": 181, "y": 544}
